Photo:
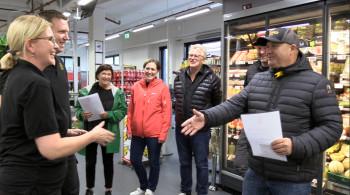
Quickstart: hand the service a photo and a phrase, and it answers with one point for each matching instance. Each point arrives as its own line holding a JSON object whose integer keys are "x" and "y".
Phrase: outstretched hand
{"x": 193, "y": 124}
{"x": 101, "y": 135}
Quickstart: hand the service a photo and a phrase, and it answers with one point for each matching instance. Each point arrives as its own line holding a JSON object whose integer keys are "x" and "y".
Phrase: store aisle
{"x": 125, "y": 179}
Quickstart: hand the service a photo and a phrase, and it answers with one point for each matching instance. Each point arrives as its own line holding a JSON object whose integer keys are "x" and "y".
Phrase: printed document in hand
{"x": 262, "y": 129}
{"x": 92, "y": 103}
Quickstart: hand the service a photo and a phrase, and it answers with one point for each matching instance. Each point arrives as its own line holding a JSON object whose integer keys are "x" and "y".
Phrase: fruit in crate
{"x": 336, "y": 167}
{"x": 345, "y": 149}
{"x": 346, "y": 163}
{"x": 334, "y": 149}
{"x": 337, "y": 157}
{"x": 347, "y": 174}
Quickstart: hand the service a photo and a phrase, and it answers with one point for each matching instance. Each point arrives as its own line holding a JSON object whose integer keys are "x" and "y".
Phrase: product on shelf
{"x": 231, "y": 149}
{"x": 235, "y": 56}
{"x": 243, "y": 55}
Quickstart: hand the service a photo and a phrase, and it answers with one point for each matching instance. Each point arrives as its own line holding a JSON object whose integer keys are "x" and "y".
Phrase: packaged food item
{"x": 235, "y": 56}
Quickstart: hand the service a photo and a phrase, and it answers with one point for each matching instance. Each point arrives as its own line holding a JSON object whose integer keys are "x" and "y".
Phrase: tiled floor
{"x": 125, "y": 179}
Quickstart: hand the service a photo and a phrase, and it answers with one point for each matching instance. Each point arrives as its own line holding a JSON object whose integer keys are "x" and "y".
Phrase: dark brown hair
{"x": 50, "y": 14}
{"x": 152, "y": 60}
{"x": 104, "y": 67}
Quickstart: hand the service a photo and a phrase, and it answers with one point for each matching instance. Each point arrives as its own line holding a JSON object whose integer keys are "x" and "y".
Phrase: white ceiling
{"x": 130, "y": 13}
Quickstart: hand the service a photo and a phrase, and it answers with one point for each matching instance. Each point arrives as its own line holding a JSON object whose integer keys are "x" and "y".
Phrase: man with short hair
{"x": 310, "y": 117}
{"x": 57, "y": 75}
{"x": 195, "y": 87}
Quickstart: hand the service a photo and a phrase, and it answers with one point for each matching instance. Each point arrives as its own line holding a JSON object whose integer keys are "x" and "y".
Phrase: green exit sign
{"x": 127, "y": 35}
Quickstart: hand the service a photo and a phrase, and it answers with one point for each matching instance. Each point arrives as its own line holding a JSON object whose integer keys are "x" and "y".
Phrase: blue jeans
{"x": 136, "y": 152}
{"x": 254, "y": 184}
{"x": 198, "y": 146}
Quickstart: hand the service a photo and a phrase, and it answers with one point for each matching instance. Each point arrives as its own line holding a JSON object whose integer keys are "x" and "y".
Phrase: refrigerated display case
{"x": 323, "y": 29}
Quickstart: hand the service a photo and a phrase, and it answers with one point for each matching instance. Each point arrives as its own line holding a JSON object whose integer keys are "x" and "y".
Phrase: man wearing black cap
{"x": 259, "y": 66}
{"x": 310, "y": 117}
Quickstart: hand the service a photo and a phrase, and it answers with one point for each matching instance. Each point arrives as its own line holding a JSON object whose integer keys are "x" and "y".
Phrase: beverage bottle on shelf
{"x": 239, "y": 128}
{"x": 233, "y": 128}
{"x": 125, "y": 72}
{"x": 118, "y": 75}
{"x": 231, "y": 149}
{"x": 114, "y": 76}
{"x": 124, "y": 87}
{"x": 134, "y": 79}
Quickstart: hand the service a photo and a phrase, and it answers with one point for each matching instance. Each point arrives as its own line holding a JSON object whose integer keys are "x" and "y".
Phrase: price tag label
{"x": 341, "y": 57}
{"x": 250, "y": 62}
{"x": 237, "y": 75}
{"x": 341, "y": 107}
{"x": 338, "y": 86}
{"x": 240, "y": 62}
{"x": 312, "y": 59}
{"x": 237, "y": 87}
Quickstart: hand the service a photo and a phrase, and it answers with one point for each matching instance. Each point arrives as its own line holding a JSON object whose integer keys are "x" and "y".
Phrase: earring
{"x": 33, "y": 54}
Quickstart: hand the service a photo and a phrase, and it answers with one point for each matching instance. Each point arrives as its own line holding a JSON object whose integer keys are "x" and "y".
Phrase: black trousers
{"x": 71, "y": 181}
{"x": 90, "y": 158}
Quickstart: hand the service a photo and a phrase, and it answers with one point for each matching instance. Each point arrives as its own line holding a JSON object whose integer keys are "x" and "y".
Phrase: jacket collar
{"x": 301, "y": 64}
{"x": 153, "y": 83}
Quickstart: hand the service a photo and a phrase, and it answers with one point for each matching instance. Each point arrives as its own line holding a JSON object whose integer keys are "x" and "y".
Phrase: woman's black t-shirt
{"x": 107, "y": 100}
{"x": 27, "y": 112}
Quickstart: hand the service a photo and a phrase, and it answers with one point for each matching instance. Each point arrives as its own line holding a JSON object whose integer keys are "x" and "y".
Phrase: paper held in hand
{"x": 262, "y": 129}
{"x": 92, "y": 103}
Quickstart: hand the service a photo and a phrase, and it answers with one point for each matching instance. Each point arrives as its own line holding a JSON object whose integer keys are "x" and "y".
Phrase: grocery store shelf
{"x": 336, "y": 187}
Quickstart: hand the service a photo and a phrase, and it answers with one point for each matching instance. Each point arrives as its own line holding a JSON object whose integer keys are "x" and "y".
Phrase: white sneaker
{"x": 138, "y": 192}
{"x": 149, "y": 192}
{"x": 182, "y": 194}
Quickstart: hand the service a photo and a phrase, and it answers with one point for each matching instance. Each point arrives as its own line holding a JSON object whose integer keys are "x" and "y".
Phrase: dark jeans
{"x": 71, "y": 181}
{"x": 136, "y": 152}
{"x": 107, "y": 159}
{"x": 197, "y": 146}
{"x": 254, "y": 184}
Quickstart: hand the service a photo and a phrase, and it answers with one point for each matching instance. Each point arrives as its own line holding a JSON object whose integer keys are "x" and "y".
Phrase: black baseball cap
{"x": 260, "y": 42}
{"x": 281, "y": 35}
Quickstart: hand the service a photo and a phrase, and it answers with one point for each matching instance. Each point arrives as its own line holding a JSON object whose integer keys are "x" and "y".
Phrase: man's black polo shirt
{"x": 59, "y": 83}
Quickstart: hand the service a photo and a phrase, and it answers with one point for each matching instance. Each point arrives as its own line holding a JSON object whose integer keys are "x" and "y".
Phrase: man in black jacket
{"x": 195, "y": 87}
{"x": 261, "y": 65}
{"x": 310, "y": 117}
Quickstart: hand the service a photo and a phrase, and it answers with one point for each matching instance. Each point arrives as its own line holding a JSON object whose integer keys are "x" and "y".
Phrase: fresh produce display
{"x": 336, "y": 167}
{"x": 339, "y": 159}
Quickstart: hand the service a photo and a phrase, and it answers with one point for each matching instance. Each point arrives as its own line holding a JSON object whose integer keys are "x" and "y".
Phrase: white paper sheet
{"x": 262, "y": 129}
{"x": 92, "y": 103}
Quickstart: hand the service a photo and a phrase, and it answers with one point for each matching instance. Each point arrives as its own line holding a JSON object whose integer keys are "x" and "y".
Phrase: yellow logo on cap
{"x": 274, "y": 33}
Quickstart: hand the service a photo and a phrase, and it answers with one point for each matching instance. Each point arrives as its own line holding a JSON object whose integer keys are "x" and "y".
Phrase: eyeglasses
{"x": 50, "y": 38}
{"x": 194, "y": 56}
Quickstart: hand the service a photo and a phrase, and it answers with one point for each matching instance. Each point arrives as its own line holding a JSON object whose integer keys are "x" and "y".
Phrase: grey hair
{"x": 201, "y": 47}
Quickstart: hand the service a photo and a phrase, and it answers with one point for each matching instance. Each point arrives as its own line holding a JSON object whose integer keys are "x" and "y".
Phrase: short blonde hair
{"x": 21, "y": 29}
{"x": 201, "y": 47}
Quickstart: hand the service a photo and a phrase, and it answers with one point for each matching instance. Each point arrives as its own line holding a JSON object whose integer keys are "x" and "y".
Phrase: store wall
{"x": 82, "y": 53}
{"x": 145, "y": 44}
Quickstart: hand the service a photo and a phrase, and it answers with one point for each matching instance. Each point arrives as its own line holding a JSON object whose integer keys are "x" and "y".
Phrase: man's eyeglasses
{"x": 194, "y": 56}
{"x": 50, "y": 38}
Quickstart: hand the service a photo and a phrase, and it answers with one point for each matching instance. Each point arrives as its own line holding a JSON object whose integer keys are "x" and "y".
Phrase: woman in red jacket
{"x": 149, "y": 118}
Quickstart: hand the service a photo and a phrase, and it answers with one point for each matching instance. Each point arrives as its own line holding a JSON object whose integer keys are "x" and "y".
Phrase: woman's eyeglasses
{"x": 50, "y": 38}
